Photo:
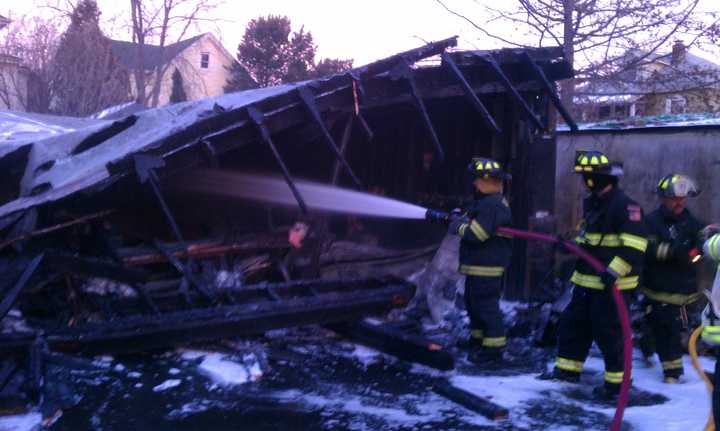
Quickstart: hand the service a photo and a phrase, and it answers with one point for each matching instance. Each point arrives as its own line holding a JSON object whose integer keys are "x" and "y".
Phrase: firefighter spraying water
{"x": 484, "y": 231}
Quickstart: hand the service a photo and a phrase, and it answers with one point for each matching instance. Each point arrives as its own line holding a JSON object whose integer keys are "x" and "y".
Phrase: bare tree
{"x": 162, "y": 22}
{"x": 602, "y": 39}
{"x": 27, "y": 48}
{"x": 86, "y": 77}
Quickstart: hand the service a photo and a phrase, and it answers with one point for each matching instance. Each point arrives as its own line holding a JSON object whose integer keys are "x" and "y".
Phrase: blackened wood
{"x": 73, "y": 263}
{"x": 394, "y": 341}
{"x": 550, "y": 88}
{"x": 347, "y": 133}
{"x": 408, "y": 57}
{"x": 404, "y": 71}
{"x": 471, "y": 401}
{"x": 308, "y": 101}
{"x": 142, "y": 333}
{"x": 36, "y": 368}
{"x": 513, "y": 91}
{"x": 11, "y": 296}
{"x": 259, "y": 119}
{"x": 184, "y": 270}
{"x": 7, "y": 371}
{"x": 55, "y": 228}
{"x": 470, "y": 94}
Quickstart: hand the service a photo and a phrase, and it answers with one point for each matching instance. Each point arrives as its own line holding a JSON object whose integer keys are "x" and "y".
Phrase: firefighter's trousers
{"x": 591, "y": 316}
{"x": 665, "y": 328}
{"x": 482, "y": 300}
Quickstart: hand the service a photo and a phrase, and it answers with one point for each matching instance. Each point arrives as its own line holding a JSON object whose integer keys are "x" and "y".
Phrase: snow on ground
{"x": 687, "y": 408}
{"x": 167, "y": 384}
{"x": 26, "y": 422}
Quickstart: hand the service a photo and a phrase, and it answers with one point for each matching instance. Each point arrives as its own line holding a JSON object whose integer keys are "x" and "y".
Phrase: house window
{"x": 204, "y": 60}
{"x": 675, "y": 105}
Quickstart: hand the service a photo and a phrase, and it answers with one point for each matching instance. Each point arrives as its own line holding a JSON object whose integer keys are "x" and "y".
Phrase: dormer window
{"x": 204, "y": 60}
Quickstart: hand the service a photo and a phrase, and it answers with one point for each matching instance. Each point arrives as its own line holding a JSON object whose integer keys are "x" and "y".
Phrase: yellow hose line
{"x": 692, "y": 344}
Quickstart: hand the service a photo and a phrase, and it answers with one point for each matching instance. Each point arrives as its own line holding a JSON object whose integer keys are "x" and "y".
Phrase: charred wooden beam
{"x": 9, "y": 367}
{"x": 258, "y": 119}
{"x": 407, "y": 57}
{"x": 10, "y": 297}
{"x": 403, "y": 71}
{"x": 36, "y": 368}
{"x": 513, "y": 91}
{"x": 550, "y": 88}
{"x": 347, "y": 133}
{"x": 72, "y": 263}
{"x": 206, "y": 252}
{"x": 359, "y": 95}
{"x": 396, "y": 342}
{"x": 470, "y": 94}
{"x": 57, "y": 227}
{"x": 308, "y": 102}
{"x": 184, "y": 270}
{"x": 145, "y": 168}
{"x": 471, "y": 401}
{"x": 139, "y": 333}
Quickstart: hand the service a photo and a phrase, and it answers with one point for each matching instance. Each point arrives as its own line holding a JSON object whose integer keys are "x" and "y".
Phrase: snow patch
{"x": 223, "y": 371}
{"x": 26, "y": 422}
{"x": 134, "y": 375}
{"x": 167, "y": 385}
{"x": 173, "y": 371}
{"x": 365, "y": 355}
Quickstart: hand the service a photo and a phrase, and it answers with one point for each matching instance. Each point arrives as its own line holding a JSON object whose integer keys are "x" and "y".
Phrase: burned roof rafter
{"x": 470, "y": 93}
{"x": 362, "y": 88}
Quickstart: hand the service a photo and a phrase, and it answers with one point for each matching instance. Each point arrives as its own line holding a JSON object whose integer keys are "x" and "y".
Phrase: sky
{"x": 363, "y": 30}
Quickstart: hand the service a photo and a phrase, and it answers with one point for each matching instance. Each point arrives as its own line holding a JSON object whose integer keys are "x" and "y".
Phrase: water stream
{"x": 317, "y": 196}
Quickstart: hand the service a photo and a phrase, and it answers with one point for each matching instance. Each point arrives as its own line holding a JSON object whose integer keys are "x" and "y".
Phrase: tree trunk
{"x": 139, "y": 39}
{"x": 567, "y": 86}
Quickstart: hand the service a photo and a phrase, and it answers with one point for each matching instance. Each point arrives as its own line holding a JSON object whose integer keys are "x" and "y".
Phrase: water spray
{"x": 323, "y": 197}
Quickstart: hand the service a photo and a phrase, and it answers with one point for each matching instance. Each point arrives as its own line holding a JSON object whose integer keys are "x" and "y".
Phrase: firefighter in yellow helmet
{"x": 484, "y": 256}
{"x": 613, "y": 232}
{"x": 670, "y": 273}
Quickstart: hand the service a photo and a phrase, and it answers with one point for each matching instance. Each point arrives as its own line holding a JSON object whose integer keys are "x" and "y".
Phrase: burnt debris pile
{"x": 106, "y": 247}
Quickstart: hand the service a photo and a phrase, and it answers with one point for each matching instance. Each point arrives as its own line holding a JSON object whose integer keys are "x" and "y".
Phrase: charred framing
{"x": 102, "y": 202}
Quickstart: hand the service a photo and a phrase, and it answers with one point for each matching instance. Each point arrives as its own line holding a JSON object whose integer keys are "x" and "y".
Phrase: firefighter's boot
{"x": 486, "y": 357}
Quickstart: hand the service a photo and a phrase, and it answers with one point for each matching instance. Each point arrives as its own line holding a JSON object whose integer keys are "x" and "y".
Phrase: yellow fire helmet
{"x": 481, "y": 167}
{"x": 596, "y": 162}
{"x": 677, "y": 186}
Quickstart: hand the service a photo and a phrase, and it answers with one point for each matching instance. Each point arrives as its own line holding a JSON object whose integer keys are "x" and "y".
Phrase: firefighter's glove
{"x": 680, "y": 251}
{"x": 455, "y": 223}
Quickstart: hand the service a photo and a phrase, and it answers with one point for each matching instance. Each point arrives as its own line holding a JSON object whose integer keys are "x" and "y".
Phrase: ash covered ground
{"x": 308, "y": 378}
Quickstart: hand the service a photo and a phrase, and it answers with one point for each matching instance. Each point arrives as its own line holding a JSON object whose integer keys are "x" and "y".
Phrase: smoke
{"x": 317, "y": 196}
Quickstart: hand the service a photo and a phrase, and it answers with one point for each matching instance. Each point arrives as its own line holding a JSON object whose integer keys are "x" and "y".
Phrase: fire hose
{"x": 598, "y": 266}
{"x": 692, "y": 349}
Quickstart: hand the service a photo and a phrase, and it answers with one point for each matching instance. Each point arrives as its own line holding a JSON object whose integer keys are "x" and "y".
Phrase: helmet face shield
{"x": 677, "y": 186}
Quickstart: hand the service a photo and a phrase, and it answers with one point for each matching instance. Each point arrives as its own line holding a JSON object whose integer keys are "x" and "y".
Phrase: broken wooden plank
{"x": 550, "y": 88}
{"x": 259, "y": 119}
{"x": 393, "y": 341}
{"x": 308, "y": 101}
{"x": 471, "y": 401}
{"x": 57, "y": 227}
{"x": 335, "y": 301}
{"x": 529, "y": 113}
{"x": 11, "y": 296}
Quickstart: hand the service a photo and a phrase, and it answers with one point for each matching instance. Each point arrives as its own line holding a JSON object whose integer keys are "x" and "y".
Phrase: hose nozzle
{"x": 437, "y": 216}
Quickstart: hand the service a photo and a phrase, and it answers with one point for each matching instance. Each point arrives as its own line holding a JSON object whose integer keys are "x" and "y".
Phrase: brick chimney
{"x": 678, "y": 52}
